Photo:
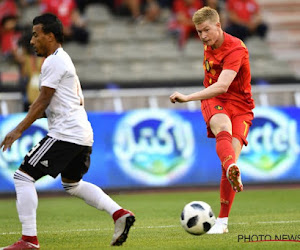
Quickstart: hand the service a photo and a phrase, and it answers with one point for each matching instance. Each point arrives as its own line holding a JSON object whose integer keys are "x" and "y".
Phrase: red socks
{"x": 31, "y": 239}
{"x": 226, "y": 154}
{"x": 119, "y": 213}
{"x": 226, "y": 195}
{"x": 224, "y": 149}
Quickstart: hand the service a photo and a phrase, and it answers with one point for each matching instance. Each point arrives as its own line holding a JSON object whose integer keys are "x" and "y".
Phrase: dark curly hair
{"x": 51, "y": 24}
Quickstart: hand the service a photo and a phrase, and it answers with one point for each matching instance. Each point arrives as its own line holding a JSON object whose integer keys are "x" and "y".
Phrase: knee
{"x": 225, "y": 127}
{"x": 219, "y": 123}
{"x": 222, "y": 127}
{"x": 70, "y": 188}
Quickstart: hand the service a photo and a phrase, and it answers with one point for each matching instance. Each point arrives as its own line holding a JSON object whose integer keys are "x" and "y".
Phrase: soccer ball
{"x": 197, "y": 217}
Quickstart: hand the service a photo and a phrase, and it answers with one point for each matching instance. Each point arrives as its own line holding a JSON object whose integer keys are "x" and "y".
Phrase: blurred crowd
{"x": 241, "y": 18}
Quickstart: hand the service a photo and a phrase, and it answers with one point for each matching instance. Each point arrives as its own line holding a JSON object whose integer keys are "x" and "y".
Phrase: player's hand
{"x": 178, "y": 97}
{"x": 9, "y": 139}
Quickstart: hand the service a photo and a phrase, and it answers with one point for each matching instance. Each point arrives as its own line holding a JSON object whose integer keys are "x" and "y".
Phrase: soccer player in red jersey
{"x": 226, "y": 102}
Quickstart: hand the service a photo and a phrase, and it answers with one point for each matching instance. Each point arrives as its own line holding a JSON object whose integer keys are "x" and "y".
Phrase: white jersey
{"x": 67, "y": 118}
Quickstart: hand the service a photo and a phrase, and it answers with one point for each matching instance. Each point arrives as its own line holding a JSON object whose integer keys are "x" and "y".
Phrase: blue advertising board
{"x": 160, "y": 148}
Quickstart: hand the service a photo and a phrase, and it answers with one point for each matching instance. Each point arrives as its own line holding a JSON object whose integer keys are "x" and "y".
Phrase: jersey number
{"x": 33, "y": 149}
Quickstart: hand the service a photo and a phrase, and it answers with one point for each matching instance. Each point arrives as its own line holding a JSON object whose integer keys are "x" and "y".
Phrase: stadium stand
{"x": 143, "y": 55}
{"x": 123, "y": 55}
{"x": 284, "y": 38}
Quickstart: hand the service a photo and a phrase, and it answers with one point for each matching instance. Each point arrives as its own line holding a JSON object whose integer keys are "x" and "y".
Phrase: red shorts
{"x": 240, "y": 116}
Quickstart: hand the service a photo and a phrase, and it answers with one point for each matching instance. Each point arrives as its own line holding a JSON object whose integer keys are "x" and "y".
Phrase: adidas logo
{"x": 45, "y": 163}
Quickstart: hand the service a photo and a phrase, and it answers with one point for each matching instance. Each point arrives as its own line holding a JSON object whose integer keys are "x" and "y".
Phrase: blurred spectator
{"x": 244, "y": 19}
{"x": 8, "y": 8}
{"x": 10, "y": 36}
{"x": 218, "y": 5}
{"x": 30, "y": 66}
{"x": 68, "y": 13}
{"x": 138, "y": 10}
{"x": 166, "y": 3}
{"x": 25, "y": 3}
{"x": 181, "y": 25}
{"x": 82, "y": 4}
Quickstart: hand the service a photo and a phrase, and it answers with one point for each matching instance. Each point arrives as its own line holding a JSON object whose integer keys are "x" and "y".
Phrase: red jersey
{"x": 61, "y": 8}
{"x": 233, "y": 55}
{"x": 245, "y": 9}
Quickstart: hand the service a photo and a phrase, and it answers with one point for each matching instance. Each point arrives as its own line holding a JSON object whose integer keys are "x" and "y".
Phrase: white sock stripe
{"x": 21, "y": 178}
{"x": 42, "y": 151}
{"x": 19, "y": 175}
{"x": 68, "y": 186}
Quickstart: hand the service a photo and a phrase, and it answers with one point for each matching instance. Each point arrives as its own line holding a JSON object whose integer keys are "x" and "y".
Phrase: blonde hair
{"x": 205, "y": 14}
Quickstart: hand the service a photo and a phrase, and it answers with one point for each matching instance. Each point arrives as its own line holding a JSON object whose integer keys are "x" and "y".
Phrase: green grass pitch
{"x": 68, "y": 223}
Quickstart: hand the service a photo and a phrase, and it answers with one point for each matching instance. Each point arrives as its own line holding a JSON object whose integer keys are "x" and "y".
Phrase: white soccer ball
{"x": 197, "y": 217}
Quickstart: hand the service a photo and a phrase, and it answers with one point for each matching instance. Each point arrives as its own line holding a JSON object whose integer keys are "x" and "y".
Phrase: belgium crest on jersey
{"x": 218, "y": 107}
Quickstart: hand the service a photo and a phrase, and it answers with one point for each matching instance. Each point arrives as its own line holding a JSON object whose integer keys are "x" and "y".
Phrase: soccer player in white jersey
{"x": 67, "y": 147}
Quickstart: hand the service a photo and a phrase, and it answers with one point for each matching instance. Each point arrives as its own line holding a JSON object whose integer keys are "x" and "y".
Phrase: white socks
{"x": 27, "y": 199}
{"x": 223, "y": 220}
{"x": 27, "y": 202}
{"x": 92, "y": 195}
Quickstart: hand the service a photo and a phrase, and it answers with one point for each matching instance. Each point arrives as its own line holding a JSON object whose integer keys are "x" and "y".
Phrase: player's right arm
{"x": 220, "y": 87}
{"x": 37, "y": 110}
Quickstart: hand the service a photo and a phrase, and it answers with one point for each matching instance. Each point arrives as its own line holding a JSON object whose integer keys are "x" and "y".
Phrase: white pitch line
{"x": 151, "y": 227}
{"x": 278, "y": 222}
{"x": 90, "y": 229}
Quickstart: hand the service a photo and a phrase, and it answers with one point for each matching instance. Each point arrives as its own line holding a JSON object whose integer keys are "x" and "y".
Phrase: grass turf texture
{"x": 68, "y": 223}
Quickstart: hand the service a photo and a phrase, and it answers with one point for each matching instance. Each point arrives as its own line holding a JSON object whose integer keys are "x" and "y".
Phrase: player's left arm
{"x": 36, "y": 110}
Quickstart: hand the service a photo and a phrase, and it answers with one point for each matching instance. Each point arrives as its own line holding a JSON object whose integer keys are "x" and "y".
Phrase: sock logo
{"x": 226, "y": 160}
{"x": 224, "y": 201}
